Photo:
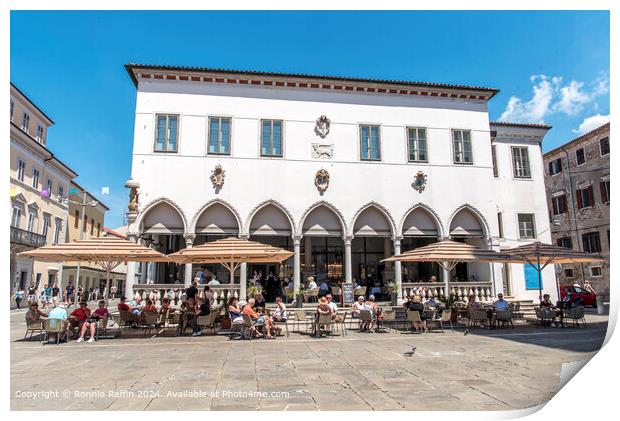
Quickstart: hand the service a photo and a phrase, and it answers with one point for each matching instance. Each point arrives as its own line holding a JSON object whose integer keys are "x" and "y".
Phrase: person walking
{"x": 18, "y": 296}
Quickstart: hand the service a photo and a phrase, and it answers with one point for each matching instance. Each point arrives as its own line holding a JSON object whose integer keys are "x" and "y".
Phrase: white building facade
{"x": 343, "y": 172}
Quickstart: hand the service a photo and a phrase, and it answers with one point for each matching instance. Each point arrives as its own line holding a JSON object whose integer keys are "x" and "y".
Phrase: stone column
{"x": 189, "y": 242}
{"x": 398, "y": 269}
{"x": 144, "y": 268}
{"x": 297, "y": 262}
{"x": 131, "y": 271}
{"x": 348, "y": 270}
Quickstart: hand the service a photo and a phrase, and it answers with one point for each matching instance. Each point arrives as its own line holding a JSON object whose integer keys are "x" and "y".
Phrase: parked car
{"x": 587, "y": 298}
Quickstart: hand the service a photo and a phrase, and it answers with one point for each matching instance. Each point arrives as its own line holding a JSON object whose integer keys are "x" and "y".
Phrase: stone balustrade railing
{"x": 481, "y": 290}
{"x": 220, "y": 292}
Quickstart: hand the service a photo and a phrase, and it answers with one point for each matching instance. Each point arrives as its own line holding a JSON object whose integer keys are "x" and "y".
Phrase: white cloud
{"x": 550, "y": 95}
{"x": 591, "y": 123}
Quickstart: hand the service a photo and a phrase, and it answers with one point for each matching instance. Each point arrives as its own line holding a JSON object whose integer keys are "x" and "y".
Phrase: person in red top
{"x": 102, "y": 311}
{"x": 82, "y": 316}
{"x": 122, "y": 306}
{"x": 149, "y": 307}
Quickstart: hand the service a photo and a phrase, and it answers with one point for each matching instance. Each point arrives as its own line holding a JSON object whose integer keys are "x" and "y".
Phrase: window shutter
{"x": 554, "y": 204}
{"x": 551, "y": 168}
{"x": 604, "y": 192}
{"x": 591, "y": 195}
{"x": 564, "y": 203}
{"x": 579, "y": 201}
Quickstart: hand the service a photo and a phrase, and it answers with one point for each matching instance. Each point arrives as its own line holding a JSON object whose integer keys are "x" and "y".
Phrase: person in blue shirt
{"x": 501, "y": 304}
{"x": 323, "y": 288}
{"x": 19, "y": 296}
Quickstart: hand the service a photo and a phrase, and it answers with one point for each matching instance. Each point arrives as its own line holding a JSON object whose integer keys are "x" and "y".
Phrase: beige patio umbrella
{"x": 448, "y": 254}
{"x": 107, "y": 252}
{"x": 537, "y": 254}
{"x": 231, "y": 252}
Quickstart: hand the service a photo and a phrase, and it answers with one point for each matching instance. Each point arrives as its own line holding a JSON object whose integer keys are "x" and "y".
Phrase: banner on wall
{"x": 531, "y": 276}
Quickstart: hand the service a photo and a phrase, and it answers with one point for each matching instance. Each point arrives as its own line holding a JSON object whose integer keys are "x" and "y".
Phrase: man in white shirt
{"x": 212, "y": 281}
{"x": 311, "y": 283}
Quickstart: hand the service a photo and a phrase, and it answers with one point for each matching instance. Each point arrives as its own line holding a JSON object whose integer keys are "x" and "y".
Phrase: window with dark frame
{"x": 569, "y": 273}
{"x": 271, "y": 138}
{"x": 76, "y": 223}
{"x": 527, "y": 226}
{"x": 166, "y": 133}
{"x": 591, "y": 242}
{"x": 596, "y": 271}
{"x": 566, "y": 242}
{"x": 494, "y": 159}
{"x": 604, "y": 145}
{"x": 370, "y": 142}
{"x": 585, "y": 197}
{"x": 555, "y": 166}
{"x": 559, "y": 204}
{"x": 416, "y": 144}
{"x": 25, "y": 122}
{"x": 500, "y": 224}
{"x": 605, "y": 191}
{"x": 21, "y": 169}
{"x": 580, "y": 155}
{"x": 521, "y": 162}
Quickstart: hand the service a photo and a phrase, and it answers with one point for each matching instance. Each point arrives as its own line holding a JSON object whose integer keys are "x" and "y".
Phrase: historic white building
{"x": 342, "y": 171}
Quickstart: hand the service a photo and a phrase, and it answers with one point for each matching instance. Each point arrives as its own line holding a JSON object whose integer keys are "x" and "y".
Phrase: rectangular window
{"x": 605, "y": 191}
{"x": 49, "y": 187}
{"x": 370, "y": 143}
{"x": 416, "y": 143}
{"x": 596, "y": 271}
{"x": 500, "y": 224}
{"x": 92, "y": 227}
{"x": 12, "y": 109}
{"x": 16, "y": 216}
{"x": 57, "y": 230}
{"x": 462, "y": 147}
{"x": 580, "y": 156}
{"x": 166, "y": 133}
{"x": 21, "y": 169}
{"x": 76, "y": 224}
{"x": 61, "y": 193}
{"x": 566, "y": 242}
{"x": 25, "y": 122}
{"x": 46, "y": 225}
{"x": 31, "y": 217}
{"x": 39, "y": 136}
{"x": 84, "y": 225}
{"x": 98, "y": 229}
{"x": 585, "y": 197}
{"x": 559, "y": 204}
{"x": 568, "y": 273}
{"x": 271, "y": 138}
{"x": 35, "y": 178}
{"x": 219, "y": 136}
{"x": 527, "y": 228}
{"x": 555, "y": 166}
{"x": 591, "y": 242}
{"x": 494, "y": 159}
{"x": 604, "y": 145}
{"x": 521, "y": 162}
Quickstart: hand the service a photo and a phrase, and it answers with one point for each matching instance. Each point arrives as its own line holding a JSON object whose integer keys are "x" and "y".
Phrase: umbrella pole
{"x": 539, "y": 270}
{"x": 107, "y": 284}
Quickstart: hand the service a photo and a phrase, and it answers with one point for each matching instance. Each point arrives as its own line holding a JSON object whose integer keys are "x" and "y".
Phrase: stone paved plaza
{"x": 491, "y": 370}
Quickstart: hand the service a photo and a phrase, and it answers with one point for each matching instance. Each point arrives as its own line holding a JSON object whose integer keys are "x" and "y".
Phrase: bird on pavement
{"x": 466, "y": 332}
{"x": 410, "y": 353}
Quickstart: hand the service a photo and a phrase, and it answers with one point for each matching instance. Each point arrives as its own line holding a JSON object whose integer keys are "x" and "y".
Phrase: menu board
{"x": 347, "y": 294}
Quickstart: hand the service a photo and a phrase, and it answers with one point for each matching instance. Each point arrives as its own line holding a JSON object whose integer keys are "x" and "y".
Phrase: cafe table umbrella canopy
{"x": 540, "y": 255}
{"x": 231, "y": 252}
{"x": 448, "y": 254}
{"x": 107, "y": 252}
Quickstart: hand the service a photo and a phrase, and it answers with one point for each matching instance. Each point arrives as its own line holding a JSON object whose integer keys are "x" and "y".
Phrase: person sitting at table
{"x": 322, "y": 308}
{"x": 203, "y": 310}
{"x": 165, "y": 305}
{"x": 311, "y": 283}
{"x": 358, "y": 306}
{"x": 432, "y": 303}
{"x": 101, "y": 312}
{"x": 279, "y": 314}
{"x": 188, "y": 313}
{"x": 323, "y": 288}
{"x": 234, "y": 311}
{"x": 472, "y": 304}
{"x": 416, "y": 305}
{"x": 82, "y": 316}
{"x": 149, "y": 307}
{"x": 334, "y": 308}
{"x": 259, "y": 301}
{"x": 546, "y": 302}
{"x": 34, "y": 314}
{"x": 376, "y": 315}
{"x": 122, "y": 304}
{"x": 59, "y": 313}
{"x": 501, "y": 304}
{"x": 258, "y": 319}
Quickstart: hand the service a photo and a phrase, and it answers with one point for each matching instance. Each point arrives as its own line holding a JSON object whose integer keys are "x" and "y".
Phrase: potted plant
{"x": 253, "y": 290}
{"x": 451, "y": 302}
{"x": 392, "y": 288}
{"x": 299, "y": 297}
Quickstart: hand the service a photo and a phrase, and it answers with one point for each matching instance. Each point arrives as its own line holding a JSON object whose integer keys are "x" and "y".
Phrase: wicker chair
{"x": 414, "y": 317}
{"x": 33, "y": 326}
{"x": 361, "y": 291}
{"x": 476, "y": 317}
{"x": 208, "y": 321}
{"x": 102, "y": 326}
{"x": 312, "y": 294}
{"x": 576, "y": 315}
{"x": 327, "y": 322}
{"x": 445, "y": 317}
{"x": 504, "y": 317}
{"x": 150, "y": 320}
{"x": 389, "y": 318}
{"x": 336, "y": 291}
{"x": 365, "y": 318}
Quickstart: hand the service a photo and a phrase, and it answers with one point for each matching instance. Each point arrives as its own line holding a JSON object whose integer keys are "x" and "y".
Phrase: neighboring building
{"x": 342, "y": 171}
{"x": 38, "y": 181}
{"x": 85, "y": 222}
{"x": 577, "y": 179}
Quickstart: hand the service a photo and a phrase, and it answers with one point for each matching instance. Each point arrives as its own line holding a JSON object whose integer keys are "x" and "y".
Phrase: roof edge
{"x": 33, "y": 104}
{"x": 529, "y": 125}
{"x": 571, "y": 142}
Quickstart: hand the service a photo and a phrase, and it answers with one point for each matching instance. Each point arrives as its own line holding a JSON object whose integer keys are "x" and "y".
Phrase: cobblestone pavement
{"x": 491, "y": 370}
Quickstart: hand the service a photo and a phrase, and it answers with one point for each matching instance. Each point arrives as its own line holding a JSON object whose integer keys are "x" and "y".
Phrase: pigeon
{"x": 410, "y": 353}
{"x": 466, "y": 332}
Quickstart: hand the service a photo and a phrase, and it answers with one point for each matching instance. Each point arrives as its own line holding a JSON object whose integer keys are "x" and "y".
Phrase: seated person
{"x": 259, "y": 302}
{"x": 122, "y": 305}
{"x": 34, "y": 314}
{"x": 203, "y": 310}
{"x": 546, "y": 302}
{"x": 59, "y": 313}
{"x": 334, "y": 308}
{"x": 376, "y": 314}
{"x": 322, "y": 308}
{"x": 472, "y": 304}
{"x": 82, "y": 316}
{"x": 416, "y": 305}
{"x": 279, "y": 314}
{"x": 324, "y": 288}
{"x": 432, "y": 303}
{"x": 149, "y": 307}
{"x": 501, "y": 304}
{"x": 234, "y": 311}
{"x": 258, "y": 319}
{"x": 311, "y": 283}
{"x": 358, "y": 306}
{"x": 165, "y": 305}
{"x": 101, "y": 312}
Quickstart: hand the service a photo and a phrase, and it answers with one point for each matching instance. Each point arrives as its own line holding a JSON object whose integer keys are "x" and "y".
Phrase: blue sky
{"x": 551, "y": 67}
